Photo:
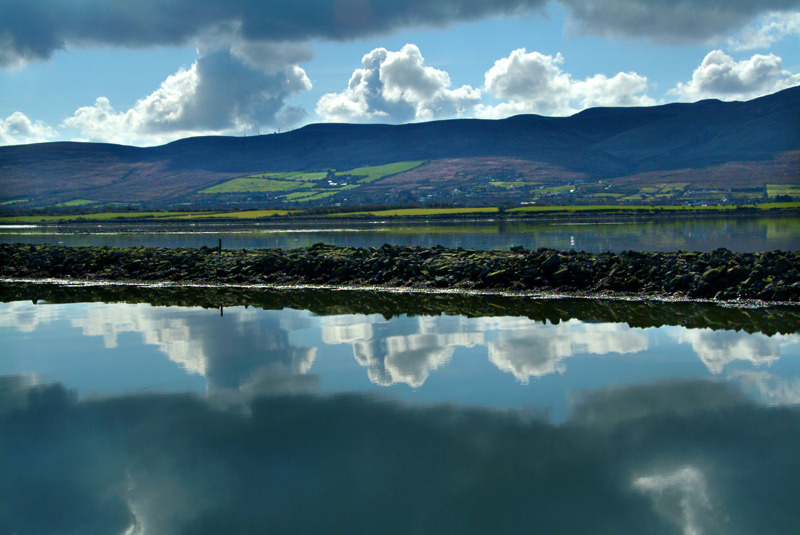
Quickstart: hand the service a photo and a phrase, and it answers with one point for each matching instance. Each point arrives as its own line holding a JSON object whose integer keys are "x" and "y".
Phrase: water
{"x": 360, "y": 412}
{"x": 737, "y": 234}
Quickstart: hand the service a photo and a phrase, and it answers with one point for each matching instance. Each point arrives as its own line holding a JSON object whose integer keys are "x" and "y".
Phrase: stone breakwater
{"x": 719, "y": 274}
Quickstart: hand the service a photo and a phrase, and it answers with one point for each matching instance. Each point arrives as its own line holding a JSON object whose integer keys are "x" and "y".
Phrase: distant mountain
{"x": 608, "y": 154}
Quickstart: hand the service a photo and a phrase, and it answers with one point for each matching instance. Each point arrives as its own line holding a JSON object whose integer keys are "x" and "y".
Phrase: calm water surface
{"x": 134, "y": 418}
{"x": 736, "y": 234}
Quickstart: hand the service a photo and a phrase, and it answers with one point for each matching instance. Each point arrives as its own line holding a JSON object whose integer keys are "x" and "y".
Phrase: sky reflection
{"x": 240, "y": 347}
{"x": 137, "y": 419}
{"x": 675, "y": 457}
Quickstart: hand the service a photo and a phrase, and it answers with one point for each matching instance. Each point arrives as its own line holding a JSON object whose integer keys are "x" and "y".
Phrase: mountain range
{"x": 607, "y": 155}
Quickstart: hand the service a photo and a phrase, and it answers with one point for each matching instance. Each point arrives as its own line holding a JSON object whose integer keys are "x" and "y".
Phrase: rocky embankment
{"x": 720, "y": 274}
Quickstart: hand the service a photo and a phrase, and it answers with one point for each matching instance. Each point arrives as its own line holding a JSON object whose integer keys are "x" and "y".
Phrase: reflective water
{"x": 736, "y": 234}
{"x": 345, "y": 416}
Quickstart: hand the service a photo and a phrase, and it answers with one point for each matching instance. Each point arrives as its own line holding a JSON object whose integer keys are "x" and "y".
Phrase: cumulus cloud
{"x": 669, "y": 21}
{"x": 397, "y": 87}
{"x": 404, "y": 351}
{"x": 720, "y": 76}
{"x": 17, "y": 129}
{"x": 25, "y": 317}
{"x": 718, "y": 349}
{"x": 223, "y": 92}
{"x": 531, "y": 349}
{"x": 532, "y": 82}
{"x": 768, "y": 29}
{"x": 265, "y": 359}
{"x": 770, "y": 389}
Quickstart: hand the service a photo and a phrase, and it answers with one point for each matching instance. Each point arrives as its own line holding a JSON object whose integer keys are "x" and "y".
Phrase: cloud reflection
{"x": 25, "y": 318}
{"x": 249, "y": 348}
{"x": 241, "y": 349}
{"x": 770, "y": 389}
{"x": 718, "y": 349}
{"x": 404, "y": 350}
{"x": 681, "y": 497}
{"x": 173, "y": 464}
{"x": 530, "y": 349}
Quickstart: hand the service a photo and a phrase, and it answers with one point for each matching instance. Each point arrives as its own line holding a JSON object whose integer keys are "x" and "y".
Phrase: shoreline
{"x": 551, "y": 295}
{"x": 720, "y": 275}
{"x": 766, "y": 318}
{"x": 547, "y": 214}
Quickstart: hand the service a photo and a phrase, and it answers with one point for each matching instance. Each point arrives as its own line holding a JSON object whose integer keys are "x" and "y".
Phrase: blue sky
{"x": 149, "y": 72}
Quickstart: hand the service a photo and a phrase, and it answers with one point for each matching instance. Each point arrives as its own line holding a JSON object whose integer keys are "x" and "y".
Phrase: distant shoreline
{"x": 720, "y": 275}
{"x": 542, "y": 214}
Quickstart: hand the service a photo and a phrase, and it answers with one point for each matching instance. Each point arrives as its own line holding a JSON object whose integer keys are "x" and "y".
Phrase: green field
{"x": 298, "y": 186}
{"x": 175, "y": 215}
{"x": 371, "y": 174}
{"x": 511, "y": 185}
{"x": 292, "y": 175}
{"x": 401, "y": 212}
{"x": 774, "y": 190}
{"x": 76, "y": 202}
{"x": 250, "y": 185}
{"x": 249, "y": 214}
{"x": 617, "y": 208}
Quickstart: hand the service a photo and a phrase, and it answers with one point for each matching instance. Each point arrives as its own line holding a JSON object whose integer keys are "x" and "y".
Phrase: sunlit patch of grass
{"x": 778, "y": 205}
{"x": 510, "y": 185}
{"x": 423, "y": 211}
{"x": 783, "y": 189}
{"x": 316, "y": 196}
{"x": 379, "y": 171}
{"x": 300, "y": 195}
{"x": 76, "y": 202}
{"x": 249, "y": 214}
{"x": 253, "y": 185}
{"x": 292, "y": 175}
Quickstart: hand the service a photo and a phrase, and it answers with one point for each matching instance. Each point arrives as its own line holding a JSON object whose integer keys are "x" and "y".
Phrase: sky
{"x": 152, "y": 71}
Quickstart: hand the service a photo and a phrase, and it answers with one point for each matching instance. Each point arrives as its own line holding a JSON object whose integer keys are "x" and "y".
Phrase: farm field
{"x": 301, "y": 187}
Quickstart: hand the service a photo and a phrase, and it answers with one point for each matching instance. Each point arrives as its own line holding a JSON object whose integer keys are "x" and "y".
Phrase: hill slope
{"x": 704, "y": 145}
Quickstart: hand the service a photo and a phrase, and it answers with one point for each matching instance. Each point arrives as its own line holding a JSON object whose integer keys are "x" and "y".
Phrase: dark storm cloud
{"x": 34, "y": 29}
{"x": 669, "y": 20}
{"x": 685, "y": 457}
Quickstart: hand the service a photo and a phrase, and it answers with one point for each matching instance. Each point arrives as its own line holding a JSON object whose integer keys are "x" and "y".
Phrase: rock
{"x": 720, "y": 274}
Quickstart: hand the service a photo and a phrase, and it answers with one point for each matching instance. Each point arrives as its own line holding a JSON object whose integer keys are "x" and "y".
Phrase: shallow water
{"x": 339, "y": 413}
{"x": 736, "y": 234}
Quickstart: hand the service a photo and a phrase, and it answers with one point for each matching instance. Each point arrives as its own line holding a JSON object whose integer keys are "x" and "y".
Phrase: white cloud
{"x": 17, "y": 129}
{"x": 532, "y": 82}
{"x": 221, "y": 93}
{"x": 265, "y": 358}
{"x": 680, "y": 497}
{"x": 720, "y": 76}
{"x": 403, "y": 351}
{"x": 26, "y": 317}
{"x": 717, "y": 349}
{"x": 535, "y": 350}
{"x": 768, "y": 29}
{"x": 769, "y": 388}
{"x": 397, "y": 87}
